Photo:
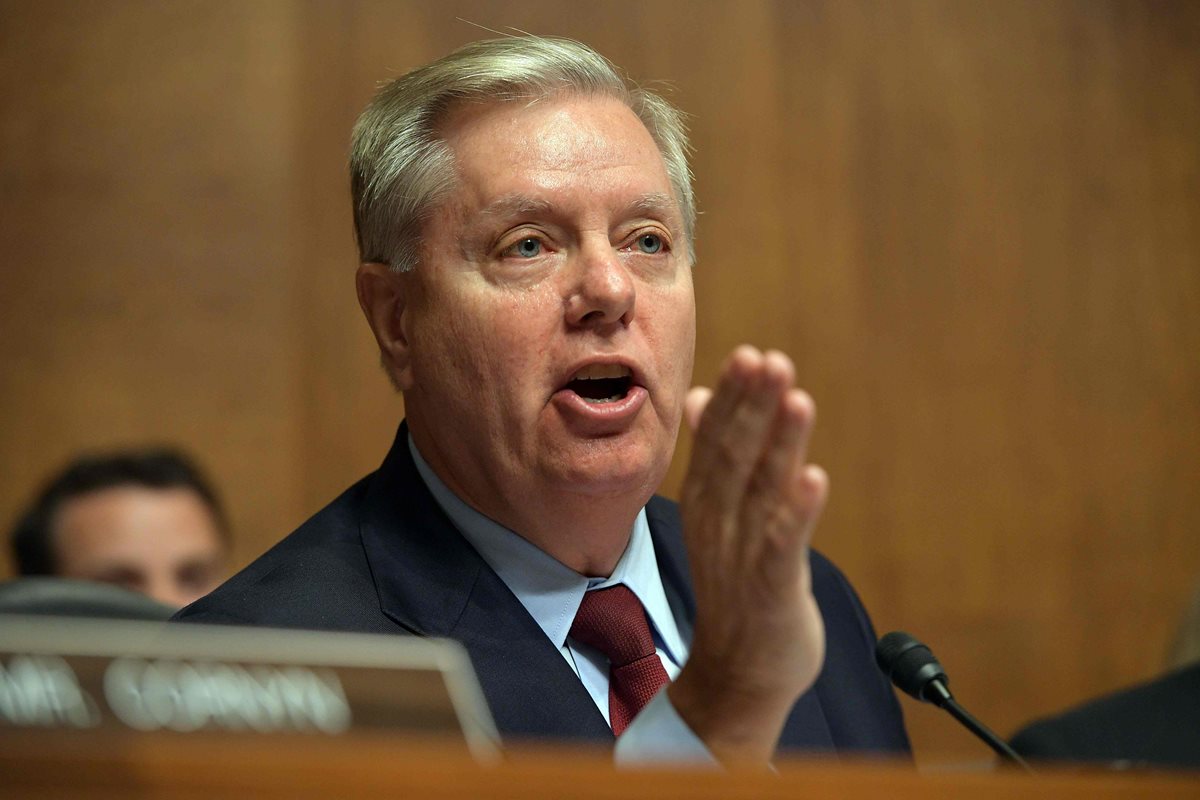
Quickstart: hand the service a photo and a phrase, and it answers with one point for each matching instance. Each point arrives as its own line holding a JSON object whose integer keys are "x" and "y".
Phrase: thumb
{"x": 694, "y": 405}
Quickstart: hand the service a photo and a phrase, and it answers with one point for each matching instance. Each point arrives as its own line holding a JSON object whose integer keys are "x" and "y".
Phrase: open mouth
{"x": 602, "y": 383}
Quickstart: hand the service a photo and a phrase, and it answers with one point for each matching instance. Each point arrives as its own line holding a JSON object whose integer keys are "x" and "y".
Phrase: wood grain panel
{"x": 148, "y": 282}
{"x": 976, "y": 227}
{"x": 180, "y": 767}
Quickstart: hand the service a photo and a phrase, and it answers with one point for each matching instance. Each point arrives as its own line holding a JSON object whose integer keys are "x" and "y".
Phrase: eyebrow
{"x": 516, "y": 205}
{"x": 655, "y": 204}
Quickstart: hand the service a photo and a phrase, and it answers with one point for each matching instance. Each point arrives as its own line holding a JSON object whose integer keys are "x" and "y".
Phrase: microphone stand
{"x": 940, "y": 696}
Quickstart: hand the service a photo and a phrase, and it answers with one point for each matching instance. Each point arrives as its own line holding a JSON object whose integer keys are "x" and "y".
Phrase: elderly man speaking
{"x": 525, "y": 224}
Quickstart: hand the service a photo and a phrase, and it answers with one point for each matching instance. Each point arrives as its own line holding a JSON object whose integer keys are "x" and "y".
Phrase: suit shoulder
{"x": 861, "y": 708}
{"x": 312, "y": 578}
{"x": 1151, "y": 723}
{"x": 664, "y": 510}
{"x": 829, "y": 580}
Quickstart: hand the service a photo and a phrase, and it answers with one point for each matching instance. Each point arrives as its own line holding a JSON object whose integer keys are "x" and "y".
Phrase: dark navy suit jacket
{"x": 384, "y": 558}
{"x": 1151, "y": 724}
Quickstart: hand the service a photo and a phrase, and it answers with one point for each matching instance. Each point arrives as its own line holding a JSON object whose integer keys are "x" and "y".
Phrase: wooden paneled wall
{"x": 975, "y": 225}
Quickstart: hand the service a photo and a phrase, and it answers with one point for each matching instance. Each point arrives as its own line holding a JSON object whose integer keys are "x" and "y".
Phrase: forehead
{"x": 593, "y": 147}
{"x": 134, "y": 519}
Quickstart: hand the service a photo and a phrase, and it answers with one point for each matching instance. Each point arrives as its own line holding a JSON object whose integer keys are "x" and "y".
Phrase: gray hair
{"x": 400, "y": 168}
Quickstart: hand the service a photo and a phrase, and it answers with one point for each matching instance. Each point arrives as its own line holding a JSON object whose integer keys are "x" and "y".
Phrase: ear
{"x": 383, "y": 296}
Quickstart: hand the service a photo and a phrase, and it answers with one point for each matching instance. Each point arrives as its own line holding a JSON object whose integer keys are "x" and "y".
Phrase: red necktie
{"x": 613, "y": 621}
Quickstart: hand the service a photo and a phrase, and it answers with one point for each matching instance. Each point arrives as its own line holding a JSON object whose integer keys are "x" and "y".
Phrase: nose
{"x": 602, "y": 291}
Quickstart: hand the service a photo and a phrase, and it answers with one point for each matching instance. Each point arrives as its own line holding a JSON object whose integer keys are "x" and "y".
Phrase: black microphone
{"x": 912, "y": 667}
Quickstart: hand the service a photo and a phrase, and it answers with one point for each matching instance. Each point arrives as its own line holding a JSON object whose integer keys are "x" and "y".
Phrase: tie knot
{"x": 613, "y": 621}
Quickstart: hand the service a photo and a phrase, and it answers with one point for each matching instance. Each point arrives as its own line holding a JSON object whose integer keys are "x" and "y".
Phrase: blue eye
{"x": 527, "y": 247}
{"x": 650, "y": 243}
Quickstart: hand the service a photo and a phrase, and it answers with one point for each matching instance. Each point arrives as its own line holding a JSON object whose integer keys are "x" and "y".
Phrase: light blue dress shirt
{"x": 551, "y": 592}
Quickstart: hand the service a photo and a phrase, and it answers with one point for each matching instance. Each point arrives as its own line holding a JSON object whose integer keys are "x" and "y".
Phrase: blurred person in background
{"x": 146, "y": 520}
{"x": 1185, "y": 650}
{"x": 1152, "y": 724}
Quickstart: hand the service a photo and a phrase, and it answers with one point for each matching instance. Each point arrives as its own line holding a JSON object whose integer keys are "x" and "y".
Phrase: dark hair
{"x": 156, "y": 468}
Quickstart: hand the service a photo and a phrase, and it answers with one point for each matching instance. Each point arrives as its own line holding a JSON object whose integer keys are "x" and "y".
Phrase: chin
{"x": 602, "y": 470}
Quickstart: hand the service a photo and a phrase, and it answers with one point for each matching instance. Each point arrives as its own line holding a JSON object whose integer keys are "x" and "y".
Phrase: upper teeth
{"x": 598, "y": 371}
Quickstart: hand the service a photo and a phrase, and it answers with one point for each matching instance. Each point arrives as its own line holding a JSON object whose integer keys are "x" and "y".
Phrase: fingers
{"x": 777, "y": 497}
{"x": 813, "y": 495}
{"x": 788, "y": 443}
{"x": 734, "y": 374}
{"x": 736, "y": 421}
{"x": 694, "y": 405}
{"x": 788, "y": 562}
{"x": 747, "y": 477}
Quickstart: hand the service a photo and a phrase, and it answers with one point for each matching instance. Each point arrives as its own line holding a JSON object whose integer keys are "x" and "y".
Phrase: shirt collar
{"x": 548, "y": 589}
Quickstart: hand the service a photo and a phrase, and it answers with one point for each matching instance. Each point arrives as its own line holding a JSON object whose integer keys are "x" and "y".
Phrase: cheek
{"x": 486, "y": 347}
{"x": 521, "y": 346}
{"x": 673, "y": 331}
{"x": 521, "y": 323}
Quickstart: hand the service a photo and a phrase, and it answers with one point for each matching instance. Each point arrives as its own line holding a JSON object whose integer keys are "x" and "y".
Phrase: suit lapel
{"x": 532, "y": 690}
{"x": 672, "y": 563}
{"x": 432, "y": 582}
{"x": 807, "y": 728}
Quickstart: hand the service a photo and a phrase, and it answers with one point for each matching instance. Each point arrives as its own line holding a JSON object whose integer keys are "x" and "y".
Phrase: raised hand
{"x": 749, "y": 505}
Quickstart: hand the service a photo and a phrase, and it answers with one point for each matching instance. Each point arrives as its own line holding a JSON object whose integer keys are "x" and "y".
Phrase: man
{"x": 525, "y": 227}
{"x": 145, "y": 520}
